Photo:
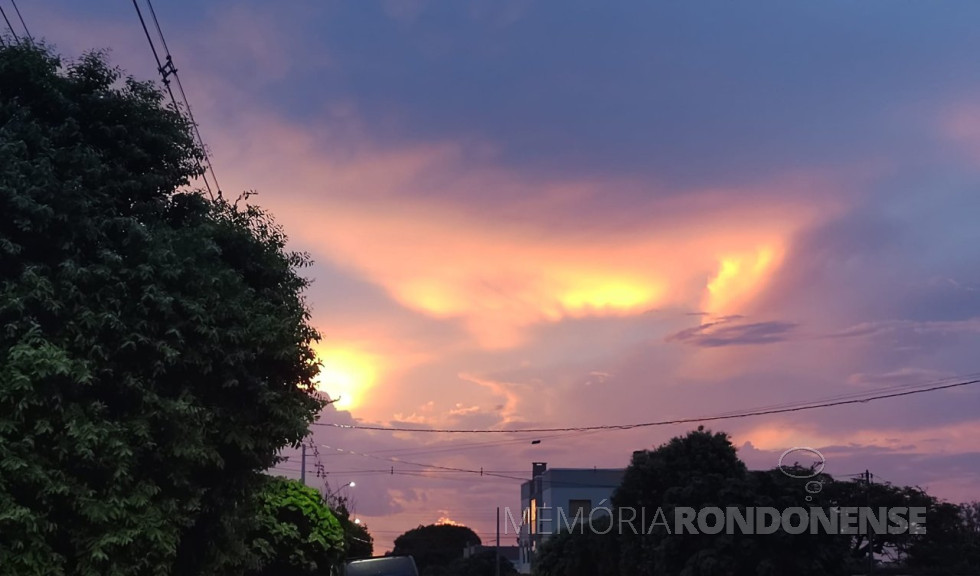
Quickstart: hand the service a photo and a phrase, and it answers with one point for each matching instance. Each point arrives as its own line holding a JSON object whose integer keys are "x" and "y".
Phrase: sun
{"x": 345, "y": 375}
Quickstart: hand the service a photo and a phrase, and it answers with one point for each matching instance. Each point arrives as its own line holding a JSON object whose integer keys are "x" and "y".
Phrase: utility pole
{"x": 496, "y": 555}
{"x": 871, "y": 535}
{"x": 302, "y": 472}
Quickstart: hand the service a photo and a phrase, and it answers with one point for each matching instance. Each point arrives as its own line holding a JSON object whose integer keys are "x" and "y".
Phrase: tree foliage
{"x": 435, "y": 545}
{"x": 296, "y": 532}
{"x": 695, "y": 470}
{"x": 588, "y": 549}
{"x": 951, "y": 541}
{"x": 358, "y": 542}
{"x": 700, "y": 470}
{"x": 154, "y": 346}
{"x": 481, "y": 563}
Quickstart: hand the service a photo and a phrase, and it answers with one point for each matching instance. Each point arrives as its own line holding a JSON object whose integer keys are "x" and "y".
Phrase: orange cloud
{"x": 740, "y": 277}
{"x": 498, "y": 279}
{"x": 945, "y": 439}
{"x": 547, "y": 251}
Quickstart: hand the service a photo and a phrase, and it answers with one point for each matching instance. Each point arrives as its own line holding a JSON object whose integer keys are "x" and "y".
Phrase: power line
{"x": 473, "y": 445}
{"x": 9, "y": 27}
{"x": 22, "y": 23}
{"x": 183, "y": 95}
{"x": 390, "y": 471}
{"x": 423, "y": 465}
{"x": 166, "y": 71}
{"x": 861, "y": 394}
{"x": 608, "y": 427}
{"x": 481, "y": 472}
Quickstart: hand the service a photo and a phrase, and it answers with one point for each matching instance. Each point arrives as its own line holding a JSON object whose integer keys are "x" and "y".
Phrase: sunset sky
{"x": 531, "y": 214}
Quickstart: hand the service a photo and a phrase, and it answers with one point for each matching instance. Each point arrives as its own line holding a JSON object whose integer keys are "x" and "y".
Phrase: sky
{"x": 541, "y": 214}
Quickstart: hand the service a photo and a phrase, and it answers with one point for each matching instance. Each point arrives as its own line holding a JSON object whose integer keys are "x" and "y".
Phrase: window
{"x": 577, "y": 507}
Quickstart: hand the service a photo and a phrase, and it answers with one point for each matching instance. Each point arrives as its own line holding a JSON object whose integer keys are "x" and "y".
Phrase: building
{"x": 555, "y": 499}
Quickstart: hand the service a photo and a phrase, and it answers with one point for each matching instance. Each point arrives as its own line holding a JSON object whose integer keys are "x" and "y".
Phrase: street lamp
{"x": 334, "y": 492}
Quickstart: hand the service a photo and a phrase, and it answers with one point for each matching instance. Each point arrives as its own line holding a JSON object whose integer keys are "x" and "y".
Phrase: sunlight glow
{"x": 345, "y": 375}
{"x": 447, "y": 521}
{"x": 739, "y": 278}
{"x": 609, "y": 296}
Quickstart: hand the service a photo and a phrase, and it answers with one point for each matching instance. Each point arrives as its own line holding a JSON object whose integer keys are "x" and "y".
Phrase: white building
{"x": 554, "y": 498}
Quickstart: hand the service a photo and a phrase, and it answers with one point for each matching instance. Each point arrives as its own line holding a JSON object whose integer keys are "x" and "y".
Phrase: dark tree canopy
{"x": 435, "y": 544}
{"x": 701, "y": 470}
{"x": 591, "y": 549}
{"x": 154, "y": 346}
{"x": 686, "y": 471}
{"x": 358, "y": 542}
{"x": 481, "y": 563}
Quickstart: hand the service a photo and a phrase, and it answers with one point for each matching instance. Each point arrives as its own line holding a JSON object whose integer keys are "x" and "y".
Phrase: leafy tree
{"x": 435, "y": 545}
{"x": 970, "y": 553}
{"x": 481, "y": 563}
{"x": 951, "y": 542}
{"x": 702, "y": 470}
{"x": 154, "y": 346}
{"x": 857, "y": 493}
{"x": 781, "y": 552}
{"x": 358, "y": 542}
{"x": 949, "y": 545}
{"x": 588, "y": 549}
{"x": 296, "y": 532}
{"x": 695, "y": 470}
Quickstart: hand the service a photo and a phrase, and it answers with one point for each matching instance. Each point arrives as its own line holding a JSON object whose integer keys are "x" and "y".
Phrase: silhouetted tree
{"x": 435, "y": 545}
{"x": 694, "y": 470}
{"x": 702, "y": 470}
{"x": 589, "y": 549}
{"x": 358, "y": 542}
{"x": 481, "y": 564}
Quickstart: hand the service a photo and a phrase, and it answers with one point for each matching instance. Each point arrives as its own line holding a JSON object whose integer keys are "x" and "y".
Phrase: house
{"x": 556, "y": 499}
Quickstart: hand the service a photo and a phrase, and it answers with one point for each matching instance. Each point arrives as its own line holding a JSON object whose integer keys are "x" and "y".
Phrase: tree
{"x": 358, "y": 542}
{"x": 435, "y": 545}
{"x": 154, "y": 346}
{"x": 951, "y": 541}
{"x": 970, "y": 514}
{"x": 481, "y": 563}
{"x": 779, "y": 553}
{"x": 702, "y": 470}
{"x": 588, "y": 549}
{"x": 695, "y": 470}
{"x": 296, "y": 533}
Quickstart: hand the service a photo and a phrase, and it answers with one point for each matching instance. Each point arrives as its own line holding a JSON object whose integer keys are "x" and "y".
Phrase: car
{"x": 381, "y": 566}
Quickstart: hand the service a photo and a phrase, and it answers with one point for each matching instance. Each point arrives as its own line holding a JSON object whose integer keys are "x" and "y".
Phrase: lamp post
{"x": 334, "y": 492}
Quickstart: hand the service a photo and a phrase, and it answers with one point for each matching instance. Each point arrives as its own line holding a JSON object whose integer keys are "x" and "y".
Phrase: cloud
{"x": 908, "y": 332}
{"x": 509, "y": 232}
{"x": 368, "y": 215}
{"x": 727, "y": 333}
{"x": 901, "y": 376}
